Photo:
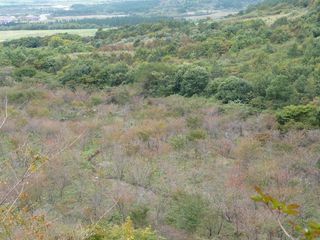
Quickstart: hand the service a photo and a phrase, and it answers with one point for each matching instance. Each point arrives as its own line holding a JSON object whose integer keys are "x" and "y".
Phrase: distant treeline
{"x": 149, "y": 6}
{"x": 136, "y": 6}
{"x": 91, "y": 23}
{"x": 235, "y": 4}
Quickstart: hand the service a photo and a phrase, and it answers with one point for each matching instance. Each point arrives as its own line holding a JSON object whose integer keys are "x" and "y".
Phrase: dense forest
{"x": 162, "y": 130}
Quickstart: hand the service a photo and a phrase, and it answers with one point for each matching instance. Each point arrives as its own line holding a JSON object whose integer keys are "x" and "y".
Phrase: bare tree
{"x": 12, "y": 195}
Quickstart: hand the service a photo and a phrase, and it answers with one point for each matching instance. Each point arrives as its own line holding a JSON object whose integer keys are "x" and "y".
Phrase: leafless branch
{"x": 61, "y": 150}
{"x": 25, "y": 175}
{"x": 106, "y": 212}
{"x": 6, "y": 112}
{"x": 277, "y": 216}
{"x": 28, "y": 172}
{"x": 69, "y": 145}
{"x": 284, "y": 230}
{"x": 13, "y": 203}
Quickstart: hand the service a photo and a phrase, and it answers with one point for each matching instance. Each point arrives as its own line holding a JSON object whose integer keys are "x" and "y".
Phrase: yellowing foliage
{"x": 125, "y": 231}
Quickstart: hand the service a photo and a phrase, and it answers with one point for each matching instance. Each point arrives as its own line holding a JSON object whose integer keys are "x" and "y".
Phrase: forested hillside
{"x": 162, "y": 130}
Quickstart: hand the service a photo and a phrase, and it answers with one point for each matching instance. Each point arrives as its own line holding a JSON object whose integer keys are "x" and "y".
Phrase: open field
{"x": 10, "y": 35}
{"x": 217, "y": 14}
{"x": 68, "y": 18}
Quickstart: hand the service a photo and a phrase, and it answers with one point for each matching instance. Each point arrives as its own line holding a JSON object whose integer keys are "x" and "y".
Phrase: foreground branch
{"x": 284, "y": 230}
{"x": 29, "y": 171}
{"x": 6, "y": 112}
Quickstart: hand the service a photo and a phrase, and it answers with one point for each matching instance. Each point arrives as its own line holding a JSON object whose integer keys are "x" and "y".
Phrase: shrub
{"x": 75, "y": 75}
{"x": 139, "y": 216}
{"x": 158, "y": 84}
{"x": 280, "y": 22}
{"x": 95, "y": 101}
{"x": 187, "y": 211}
{"x": 212, "y": 87}
{"x": 194, "y": 81}
{"x": 90, "y": 74}
{"x": 294, "y": 51}
{"x": 56, "y": 41}
{"x": 36, "y": 110}
{"x": 23, "y": 96}
{"x": 27, "y": 42}
{"x": 156, "y": 79}
{"x": 281, "y": 91}
{"x": 115, "y": 75}
{"x": 235, "y": 89}
{"x": 193, "y": 122}
{"x": 197, "y": 134}
{"x": 51, "y": 64}
{"x": 16, "y": 57}
{"x": 120, "y": 96}
{"x": 301, "y": 116}
{"x": 124, "y": 231}
{"x": 279, "y": 36}
{"x": 25, "y": 72}
{"x": 178, "y": 142}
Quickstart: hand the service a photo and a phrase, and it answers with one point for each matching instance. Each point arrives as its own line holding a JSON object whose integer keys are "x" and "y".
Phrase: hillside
{"x": 189, "y": 5}
{"x": 162, "y": 130}
{"x": 53, "y": 15}
{"x": 155, "y": 7}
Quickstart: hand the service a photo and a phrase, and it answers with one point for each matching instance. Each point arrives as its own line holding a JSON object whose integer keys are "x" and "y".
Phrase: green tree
{"x": 156, "y": 79}
{"x": 79, "y": 74}
{"x": 193, "y": 81}
{"x": 187, "y": 211}
{"x": 119, "y": 74}
{"x": 115, "y": 75}
{"x": 17, "y": 57}
{"x": 56, "y": 41}
{"x": 294, "y": 51}
{"x": 235, "y": 89}
{"x": 281, "y": 91}
{"x": 301, "y": 116}
{"x": 280, "y": 36}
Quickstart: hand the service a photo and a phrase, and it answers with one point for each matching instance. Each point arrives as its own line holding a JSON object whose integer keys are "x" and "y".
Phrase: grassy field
{"x": 10, "y": 35}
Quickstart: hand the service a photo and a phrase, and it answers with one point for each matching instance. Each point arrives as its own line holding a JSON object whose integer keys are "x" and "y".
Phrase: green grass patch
{"x": 16, "y": 34}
